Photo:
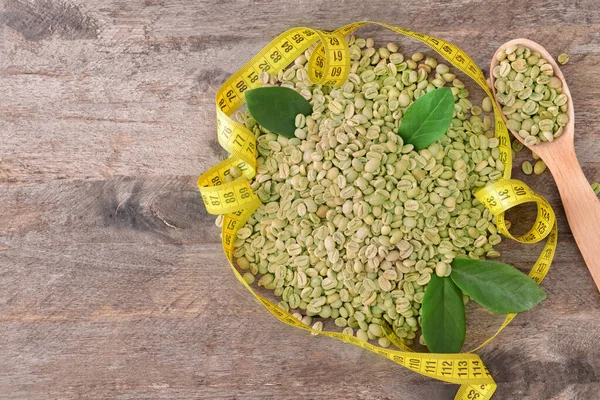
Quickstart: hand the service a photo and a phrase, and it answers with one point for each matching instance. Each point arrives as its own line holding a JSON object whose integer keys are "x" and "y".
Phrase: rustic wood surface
{"x": 112, "y": 281}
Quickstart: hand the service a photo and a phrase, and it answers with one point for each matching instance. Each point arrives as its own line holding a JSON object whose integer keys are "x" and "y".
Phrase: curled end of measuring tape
{"x": 505, "y": 194}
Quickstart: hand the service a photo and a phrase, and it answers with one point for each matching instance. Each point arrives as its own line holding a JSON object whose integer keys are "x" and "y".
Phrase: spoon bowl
{"x": 569, "y": 129}
{"x": 581, "y": 204}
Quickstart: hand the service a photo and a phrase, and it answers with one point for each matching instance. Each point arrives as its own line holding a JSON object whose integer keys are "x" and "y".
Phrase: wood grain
{"x": 112, "y": 281}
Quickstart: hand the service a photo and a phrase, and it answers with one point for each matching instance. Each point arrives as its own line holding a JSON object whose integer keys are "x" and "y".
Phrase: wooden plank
{"x": 170, "y": 321}
{"x": 127, "y": 291}
{"x": 119, "y": 210}
{"x": 110, "y": 103}
{"x": 112, "y": 280}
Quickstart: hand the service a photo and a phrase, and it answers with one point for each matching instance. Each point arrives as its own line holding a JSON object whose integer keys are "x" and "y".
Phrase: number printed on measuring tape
{"x": 329, "y": 64}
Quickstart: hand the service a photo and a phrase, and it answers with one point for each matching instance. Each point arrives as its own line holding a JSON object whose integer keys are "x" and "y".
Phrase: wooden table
{"x": 113, "y": 282}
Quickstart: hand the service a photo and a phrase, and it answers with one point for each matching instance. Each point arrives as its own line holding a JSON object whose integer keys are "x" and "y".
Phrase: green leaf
{"x": 428, "y": 118}
{"x": 276, "y": 107}
{"x": 443, "y": 319}
{"x": 496, "y": 286}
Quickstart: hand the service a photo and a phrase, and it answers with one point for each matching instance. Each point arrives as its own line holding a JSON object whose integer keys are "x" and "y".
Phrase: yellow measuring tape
{"x": 330, "y": 65}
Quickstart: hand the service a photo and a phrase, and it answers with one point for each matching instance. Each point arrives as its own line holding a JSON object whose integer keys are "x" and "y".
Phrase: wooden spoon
{"x": 582, "y": 206}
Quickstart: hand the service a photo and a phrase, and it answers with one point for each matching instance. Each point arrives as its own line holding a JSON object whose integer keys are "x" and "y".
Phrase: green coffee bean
{"x": 563, "y": 58}
{"x": 348, "y": 331}
{"x": 526, "y": 86}
{"x": 362, "y": 335}
{"x": 539, "y": 167}
{"x": 249, "y": 278}
{"x": 517, "y": 146}
{"x": 317, "y": 326}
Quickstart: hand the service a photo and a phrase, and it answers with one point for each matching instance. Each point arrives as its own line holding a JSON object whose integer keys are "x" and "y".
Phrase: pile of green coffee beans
{"x": 531, "y": 96}
{"x": 354, "y": 222}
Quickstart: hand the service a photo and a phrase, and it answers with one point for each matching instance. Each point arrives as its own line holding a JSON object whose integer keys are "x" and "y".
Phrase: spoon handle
{"x": 581, "y": 204}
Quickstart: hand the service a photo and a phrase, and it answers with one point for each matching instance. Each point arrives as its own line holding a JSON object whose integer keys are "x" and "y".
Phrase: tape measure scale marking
{"x": 329, "y": 64}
